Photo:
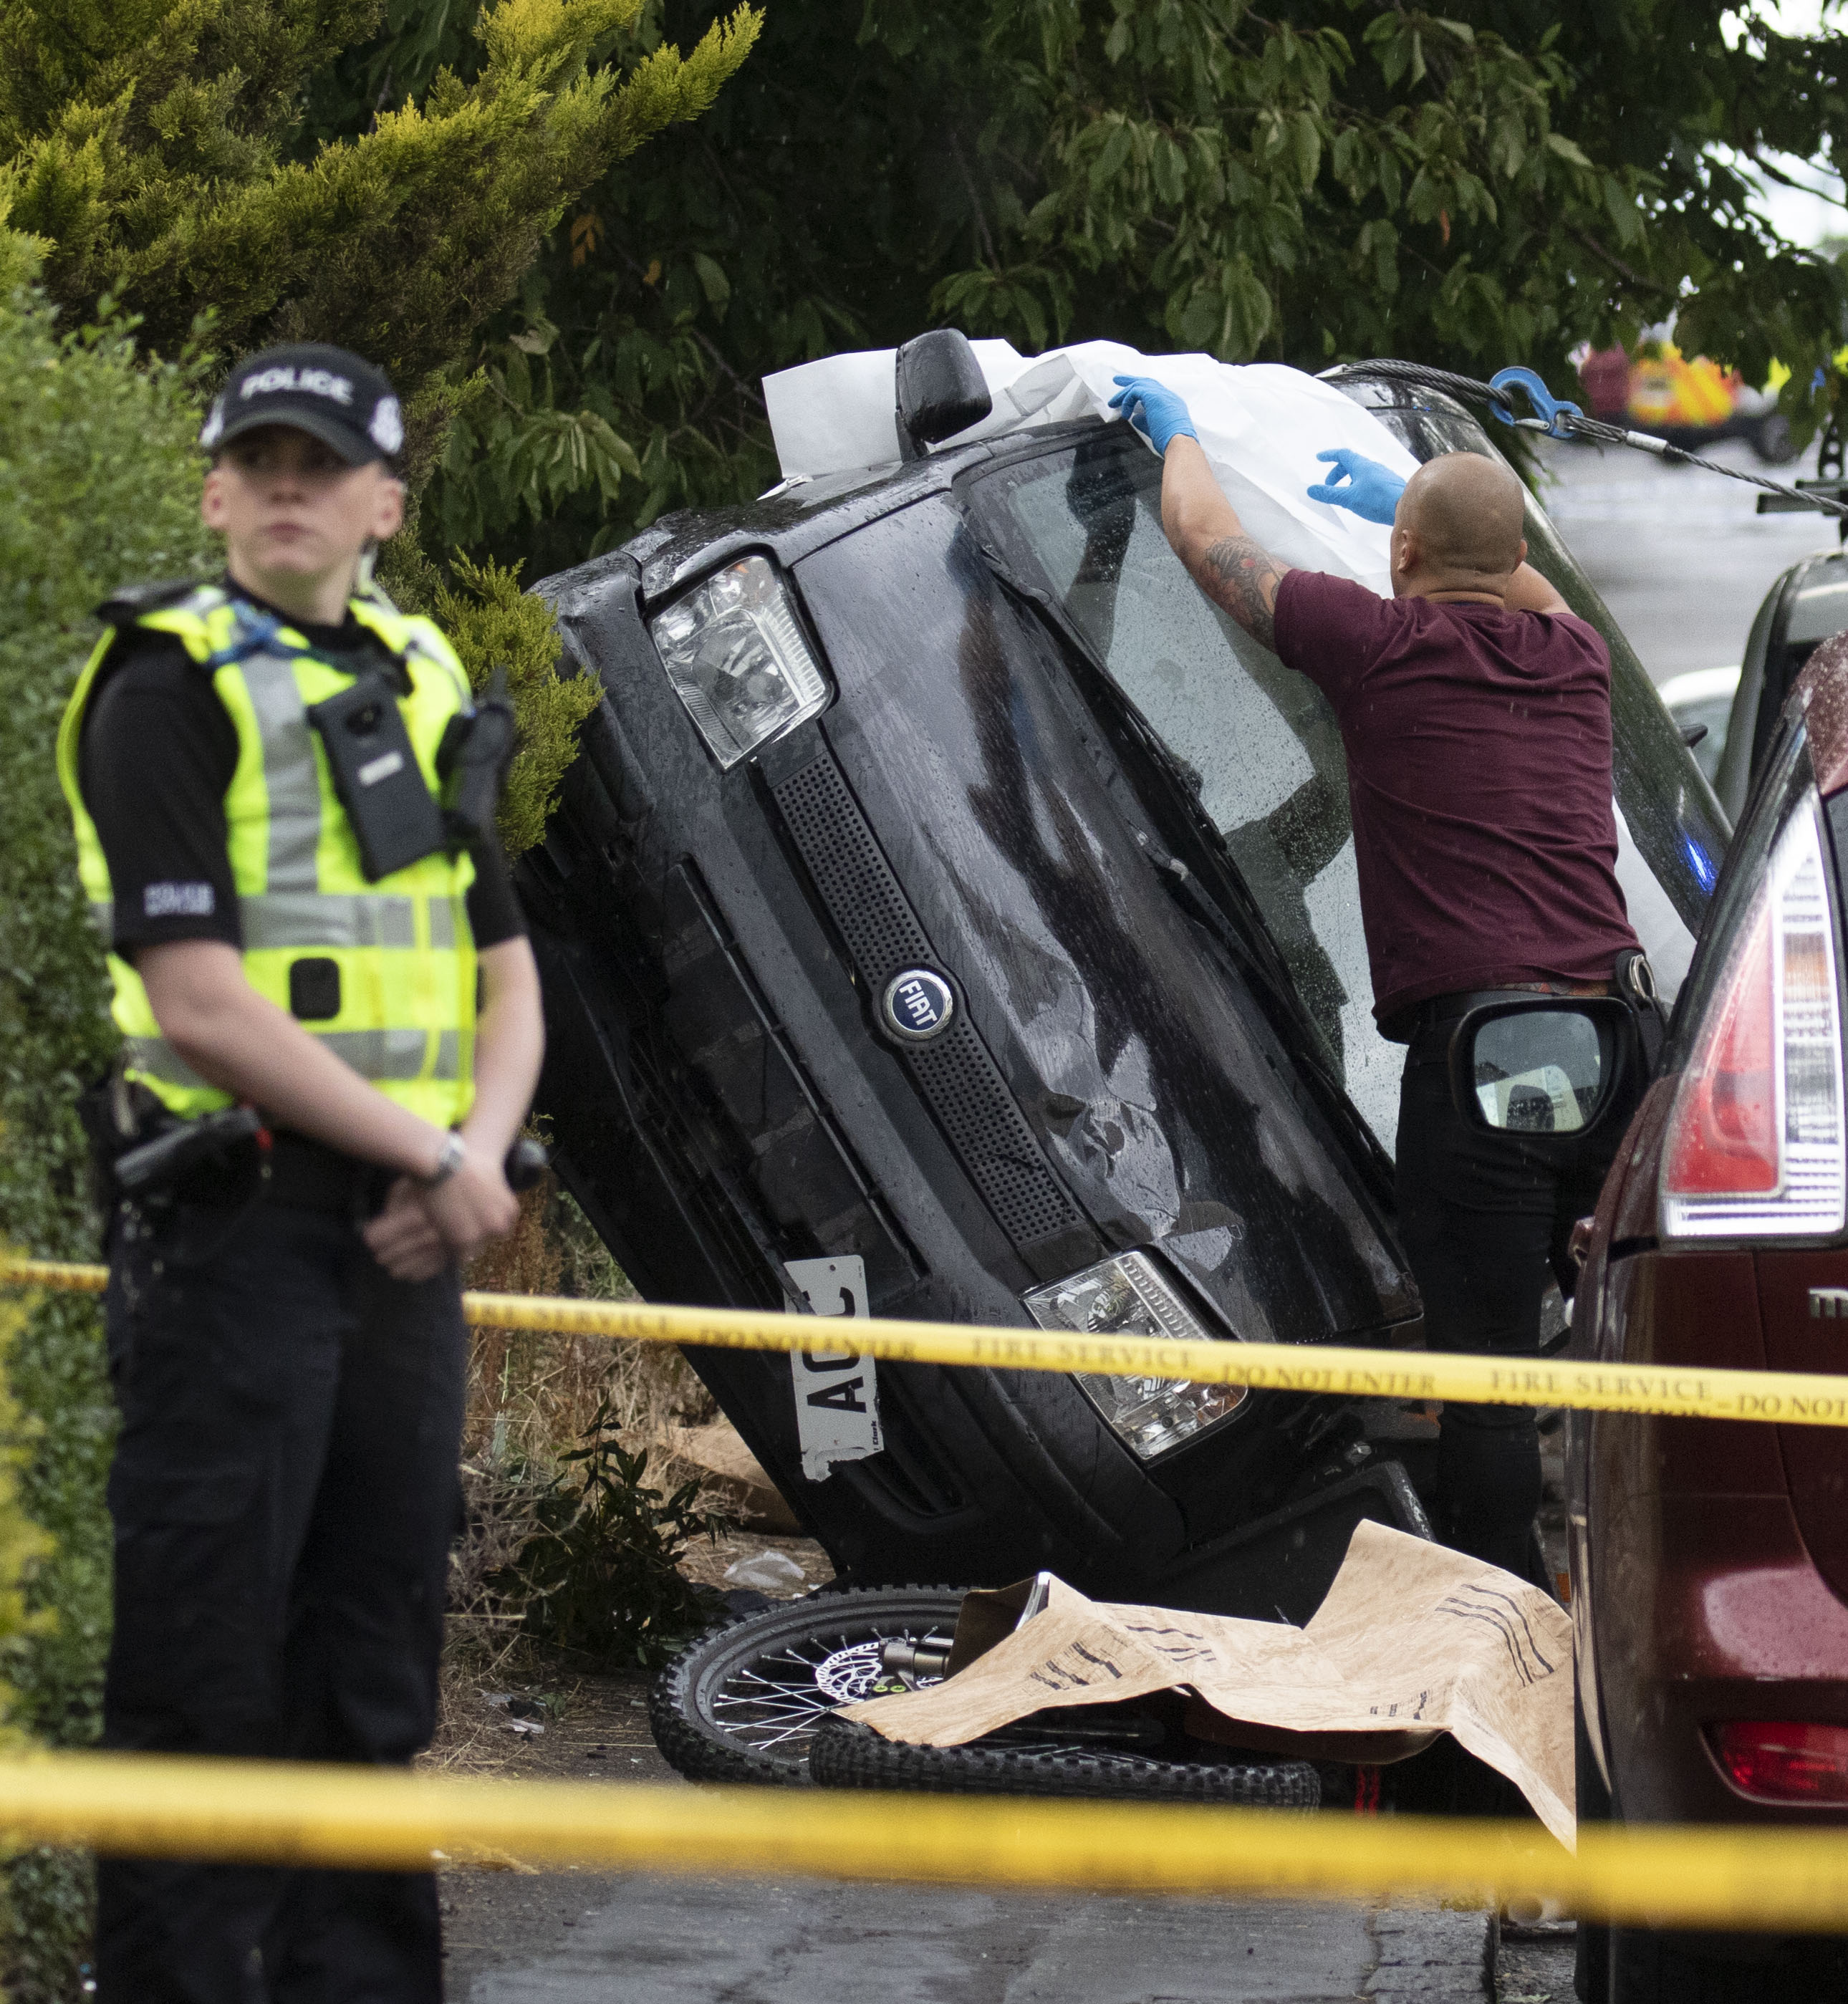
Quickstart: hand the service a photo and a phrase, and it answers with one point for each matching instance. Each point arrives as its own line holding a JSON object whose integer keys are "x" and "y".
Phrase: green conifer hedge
{"x": 99, "y": 483}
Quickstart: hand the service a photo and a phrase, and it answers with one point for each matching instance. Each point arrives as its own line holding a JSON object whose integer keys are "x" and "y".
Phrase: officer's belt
{"x": 306, "y": 1175}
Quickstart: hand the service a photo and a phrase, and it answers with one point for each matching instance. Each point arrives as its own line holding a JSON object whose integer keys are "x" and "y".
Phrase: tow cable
{"x": 1553, "y": 418}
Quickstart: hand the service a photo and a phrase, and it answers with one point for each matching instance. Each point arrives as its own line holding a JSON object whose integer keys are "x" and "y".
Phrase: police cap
{"x": 330, "y": 393}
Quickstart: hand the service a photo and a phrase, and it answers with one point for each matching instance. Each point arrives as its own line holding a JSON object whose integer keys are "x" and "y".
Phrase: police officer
{"x": 254, "y": 767}
{"x": 1475, "y": 713}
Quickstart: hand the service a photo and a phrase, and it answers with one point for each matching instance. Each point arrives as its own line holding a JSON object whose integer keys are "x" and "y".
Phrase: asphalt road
{"x": 524, "y": 1937}
{"x": 643, "y": 1940}
{"x": 1680, "y": 556}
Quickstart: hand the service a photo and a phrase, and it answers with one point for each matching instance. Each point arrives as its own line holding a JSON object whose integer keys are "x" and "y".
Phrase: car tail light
{"x": 1129, "y": 1295}
{"x": 1780, "y": 1761}
{"x": 736, "y": 655}
{"x": 1754, "y": 1146}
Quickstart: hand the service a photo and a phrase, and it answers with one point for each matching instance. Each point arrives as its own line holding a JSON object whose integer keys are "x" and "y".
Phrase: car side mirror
{"x": 941, "y": 389}
{"x": 1542, "y": 1064}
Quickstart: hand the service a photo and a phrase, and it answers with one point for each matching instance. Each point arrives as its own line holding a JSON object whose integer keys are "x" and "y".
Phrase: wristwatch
{"x": 453, "y": 1153}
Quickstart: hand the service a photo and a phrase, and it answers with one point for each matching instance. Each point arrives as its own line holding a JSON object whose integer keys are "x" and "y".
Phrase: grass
{"x": 532, "y": 1397}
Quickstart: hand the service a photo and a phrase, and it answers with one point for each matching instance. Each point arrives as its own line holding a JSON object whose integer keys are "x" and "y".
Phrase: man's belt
{"x": 1632, "y": 980}
{"x": 1447, "y": 1008}
{"x": 229, "y": 1159}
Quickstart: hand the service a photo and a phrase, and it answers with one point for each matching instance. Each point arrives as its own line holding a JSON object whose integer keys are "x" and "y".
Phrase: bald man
{"x": 1474, "y": 709}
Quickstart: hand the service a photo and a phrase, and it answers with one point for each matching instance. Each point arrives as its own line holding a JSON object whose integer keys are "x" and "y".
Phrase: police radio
{"x": 375, "y": 772}
{"x": 377, "y": 775}
{"x": 472, "y": 762}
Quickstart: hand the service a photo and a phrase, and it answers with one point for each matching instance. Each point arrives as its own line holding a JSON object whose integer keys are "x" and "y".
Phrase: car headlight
{"x": 1128, "y": 1296}
{"x": 734, "y": 651}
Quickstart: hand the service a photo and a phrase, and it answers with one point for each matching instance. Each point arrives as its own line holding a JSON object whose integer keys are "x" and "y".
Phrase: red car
{"x": 1710, "y": 1558}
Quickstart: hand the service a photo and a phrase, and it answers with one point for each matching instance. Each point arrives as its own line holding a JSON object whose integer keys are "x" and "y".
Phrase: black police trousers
{"x": 1485, "y": 1219}
{"x": 284, "y": 1493}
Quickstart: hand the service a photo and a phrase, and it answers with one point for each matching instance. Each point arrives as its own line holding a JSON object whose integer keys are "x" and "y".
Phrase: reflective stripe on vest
{"x": 402, "y": 956}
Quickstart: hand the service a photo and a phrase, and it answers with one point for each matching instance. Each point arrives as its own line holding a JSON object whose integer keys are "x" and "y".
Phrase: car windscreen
{"x": 1261, "y": 742}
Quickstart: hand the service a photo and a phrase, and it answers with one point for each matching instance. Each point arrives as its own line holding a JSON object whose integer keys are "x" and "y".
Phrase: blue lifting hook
{"x": 1549, "y": 411}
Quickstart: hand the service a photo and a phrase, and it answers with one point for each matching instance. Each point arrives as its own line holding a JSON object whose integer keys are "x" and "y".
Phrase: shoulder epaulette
{"x": 132, "y": 601}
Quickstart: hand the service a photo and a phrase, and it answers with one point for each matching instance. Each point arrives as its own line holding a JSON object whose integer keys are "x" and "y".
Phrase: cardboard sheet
{"x": 1413, "y": 1639}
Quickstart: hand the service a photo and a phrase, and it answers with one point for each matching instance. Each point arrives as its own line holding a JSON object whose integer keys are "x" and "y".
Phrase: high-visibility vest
{"x": 405, "y": 1007}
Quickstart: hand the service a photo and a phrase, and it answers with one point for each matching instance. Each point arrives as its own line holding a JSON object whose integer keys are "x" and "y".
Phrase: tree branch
{"x": 975, "y": 202}
{"x": 1783, "y": 179}
{"x": 744, "y": 388}
{"x": 1623, "y": 271}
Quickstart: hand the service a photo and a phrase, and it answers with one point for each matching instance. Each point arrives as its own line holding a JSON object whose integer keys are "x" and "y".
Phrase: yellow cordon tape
{"x": 1791, "y": 1398}
{"x": 270, "y": 1813}
{"x": 146, "y": 1806}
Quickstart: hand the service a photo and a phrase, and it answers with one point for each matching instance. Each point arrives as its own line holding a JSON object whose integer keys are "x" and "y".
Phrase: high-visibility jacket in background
{"x": 400, "y": 992}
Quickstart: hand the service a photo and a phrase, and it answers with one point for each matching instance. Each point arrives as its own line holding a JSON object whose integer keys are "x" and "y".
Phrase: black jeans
{"x": 284, "y": 1494}
{"x": 1485, "y": 1219}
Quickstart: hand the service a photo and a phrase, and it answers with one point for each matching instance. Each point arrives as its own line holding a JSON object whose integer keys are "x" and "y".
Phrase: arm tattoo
{"x": 1242, "y": 576}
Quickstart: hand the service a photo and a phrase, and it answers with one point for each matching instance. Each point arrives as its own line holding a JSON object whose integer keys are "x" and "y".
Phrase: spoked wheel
{"x": 1059, "y": 1753}
{"x": 741, "y": 1703}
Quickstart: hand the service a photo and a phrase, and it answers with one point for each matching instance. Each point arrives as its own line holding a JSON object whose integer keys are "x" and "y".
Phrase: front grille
{"x": 954, "y": 1073}
{"x": 987, "y": 1128}
{"x": 855, "y": 880}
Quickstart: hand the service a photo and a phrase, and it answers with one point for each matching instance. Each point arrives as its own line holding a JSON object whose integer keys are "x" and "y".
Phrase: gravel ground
{"x": 1534, "y": 1963}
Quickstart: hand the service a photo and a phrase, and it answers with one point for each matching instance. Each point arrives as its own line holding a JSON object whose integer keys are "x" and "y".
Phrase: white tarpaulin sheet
{"x": 1260, "y": 425}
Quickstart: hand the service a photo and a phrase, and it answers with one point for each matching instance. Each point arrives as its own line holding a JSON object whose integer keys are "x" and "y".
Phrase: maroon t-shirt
{"x": 1478, "y": 745}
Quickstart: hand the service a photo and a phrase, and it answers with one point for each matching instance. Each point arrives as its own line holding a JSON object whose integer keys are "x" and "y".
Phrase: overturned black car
{"x": 951, "y": 915}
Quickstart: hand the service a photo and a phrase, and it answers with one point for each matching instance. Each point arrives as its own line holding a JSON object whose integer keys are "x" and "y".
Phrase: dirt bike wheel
{"x": 741, "y": 1703}
{"x": 845, "y": 1754}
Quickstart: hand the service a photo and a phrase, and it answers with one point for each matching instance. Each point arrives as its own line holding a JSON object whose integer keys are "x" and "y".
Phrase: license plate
{"x": 836, "y": 1391}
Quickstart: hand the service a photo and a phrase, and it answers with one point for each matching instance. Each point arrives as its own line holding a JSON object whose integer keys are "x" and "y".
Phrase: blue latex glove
{"x": 1157, "y": 413}
{"x": 1371, "y": 490}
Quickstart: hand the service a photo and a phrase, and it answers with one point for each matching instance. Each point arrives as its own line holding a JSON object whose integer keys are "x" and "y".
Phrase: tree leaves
{"x": 1492, "y": 183}
{"x": 1453, "y": 146}
{"x": 1112, "y": 156}
{"x": 496, "y": 624}
{"x": 99, "y": 486}
{"x": 1567, "y": 149}
{"x": 398, "y": 239}
{"x": 713, "y": 282}
{"x": 514, "y": 450}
